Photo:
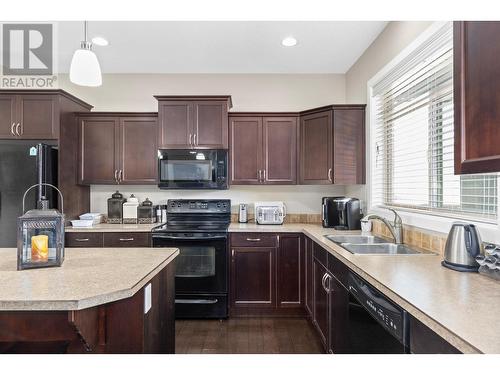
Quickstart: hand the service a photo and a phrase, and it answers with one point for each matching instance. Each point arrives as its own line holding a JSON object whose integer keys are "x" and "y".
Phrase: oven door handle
{"x": 163, "y": 237}
{"x": 197, "y": 301}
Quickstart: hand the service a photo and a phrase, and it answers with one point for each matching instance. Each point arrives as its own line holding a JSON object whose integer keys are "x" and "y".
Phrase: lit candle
{"x": 40, "y": 248}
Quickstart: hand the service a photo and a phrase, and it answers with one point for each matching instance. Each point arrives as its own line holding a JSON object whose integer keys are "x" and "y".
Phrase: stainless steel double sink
{"x": 367, "y": 244}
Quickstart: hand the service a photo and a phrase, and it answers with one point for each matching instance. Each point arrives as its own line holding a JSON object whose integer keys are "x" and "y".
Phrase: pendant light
{"x": 85, "y": 69}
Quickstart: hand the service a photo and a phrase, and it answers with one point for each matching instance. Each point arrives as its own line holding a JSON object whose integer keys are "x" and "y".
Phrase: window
{"x": 412, "y": 139}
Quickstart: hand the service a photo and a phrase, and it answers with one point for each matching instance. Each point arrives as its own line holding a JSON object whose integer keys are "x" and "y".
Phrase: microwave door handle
{"x": 323, "y": 213}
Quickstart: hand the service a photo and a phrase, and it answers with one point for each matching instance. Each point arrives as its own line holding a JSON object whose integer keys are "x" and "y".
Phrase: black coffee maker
{"x": 341, "y": 213}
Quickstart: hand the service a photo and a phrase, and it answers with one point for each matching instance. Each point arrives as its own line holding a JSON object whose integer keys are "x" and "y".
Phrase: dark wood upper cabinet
{"x": 38, "y": 116}
{"x": 8, "y": 116}
{"x": 332, "y": 145}
{"x": 98, "y": 149}
{"x": 476, "y": 49}
{"x": 290, "y": 280}
{"x": 316, "y": 148}
{"x": 210, "y": 126}
{"x": 280, "y": 150}
{"x": 349, "y": 146}
{"x": 263, "y": 149}
{"x": 33, "y": 114}
{"x": 118, "y": 148}
{"x": 138, "y": 149}
{"x": 245, "y": 150}
{"x": 193, "y": 122}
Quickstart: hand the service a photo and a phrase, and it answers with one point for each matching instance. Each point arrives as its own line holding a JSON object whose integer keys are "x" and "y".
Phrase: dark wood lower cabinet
{"x": 253, "y": 273}
{"x": 117, "y": 327}
{"x": 321, "y": 307}
{"x": 308, "y": 255}
{"x": 339, "y": 318}
{"x": 107, "y": 239}
{"x": 423, "y": 340}
{"x": 267, "y": 274}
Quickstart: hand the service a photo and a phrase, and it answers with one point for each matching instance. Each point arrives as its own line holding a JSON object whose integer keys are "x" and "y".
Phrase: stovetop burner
{"x": 196, "y": 216}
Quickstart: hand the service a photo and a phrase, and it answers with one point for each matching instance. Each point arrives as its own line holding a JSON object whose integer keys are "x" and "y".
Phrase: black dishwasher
{"x": 376, "y": 324}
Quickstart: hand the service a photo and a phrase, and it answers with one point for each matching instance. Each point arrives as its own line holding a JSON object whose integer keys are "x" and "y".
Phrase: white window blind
{"x": 412, "y": 142}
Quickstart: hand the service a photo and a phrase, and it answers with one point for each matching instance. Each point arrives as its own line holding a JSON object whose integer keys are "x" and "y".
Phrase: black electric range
{"x": 199, "y": 228}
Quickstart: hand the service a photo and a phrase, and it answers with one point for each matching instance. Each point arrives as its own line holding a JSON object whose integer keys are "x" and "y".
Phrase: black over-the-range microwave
{"x": 192, "y": 169}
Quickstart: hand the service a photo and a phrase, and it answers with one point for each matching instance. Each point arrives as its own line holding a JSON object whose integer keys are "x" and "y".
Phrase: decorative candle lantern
{"x": 40, "y": 235}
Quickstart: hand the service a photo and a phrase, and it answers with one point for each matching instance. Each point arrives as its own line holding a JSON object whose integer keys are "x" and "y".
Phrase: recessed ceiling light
{"x": 99, "y": 41}
{"x": 289, "y": 41}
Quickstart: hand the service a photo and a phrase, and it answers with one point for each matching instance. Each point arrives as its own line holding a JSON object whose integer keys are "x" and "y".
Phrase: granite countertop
{"x": 88, "y": 277}
{"x": 460, "y": 307}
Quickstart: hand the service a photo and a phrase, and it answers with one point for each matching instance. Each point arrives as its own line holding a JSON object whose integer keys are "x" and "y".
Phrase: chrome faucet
{"x": 396, "y": 229}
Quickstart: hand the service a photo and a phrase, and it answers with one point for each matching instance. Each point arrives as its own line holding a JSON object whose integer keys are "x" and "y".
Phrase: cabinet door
{"x": 316, "y": 148}
{"x": 246, "y": 150}
{"x": 280, "y": 150}
{"x": 138, "y": 150}
{"x": 290, "y": 271}
{"x": 175, "y": 123}
{"x": 210, "y": 125}
{"x": 253, "y": 273}
{"x": 476, "y": 48}
{"x": 348, "y": 146}
{"x": 8, "y": 118}
{"x": 98, "y": 151}
{"x": 339, "y": 318}
{"x": 321, "y": 309}
{"x": 38, "y": 116}
{"x": 308, "y": 275}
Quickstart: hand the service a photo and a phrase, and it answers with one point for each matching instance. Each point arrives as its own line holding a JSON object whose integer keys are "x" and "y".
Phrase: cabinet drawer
{"x": 127, "y": 239}
{"x": 253, "y": 240}
{"x": 320, "y": 254}
{"x": 84, "y": 239}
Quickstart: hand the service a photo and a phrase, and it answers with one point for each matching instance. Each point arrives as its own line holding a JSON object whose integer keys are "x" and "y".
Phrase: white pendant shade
{"x": 85, "y": 69}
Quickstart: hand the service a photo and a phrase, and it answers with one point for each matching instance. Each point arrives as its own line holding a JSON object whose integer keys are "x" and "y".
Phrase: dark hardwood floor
{"x": 246, "y": 336}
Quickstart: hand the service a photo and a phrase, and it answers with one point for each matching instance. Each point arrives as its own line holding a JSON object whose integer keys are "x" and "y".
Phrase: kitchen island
{"x": 102, "y": 300}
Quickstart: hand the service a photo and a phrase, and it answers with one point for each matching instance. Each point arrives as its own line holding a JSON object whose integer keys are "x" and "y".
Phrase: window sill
{"x": 489, "y": 231}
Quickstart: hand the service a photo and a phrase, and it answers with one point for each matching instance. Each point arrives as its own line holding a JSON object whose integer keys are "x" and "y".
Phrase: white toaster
{"x": 270, "y": 212}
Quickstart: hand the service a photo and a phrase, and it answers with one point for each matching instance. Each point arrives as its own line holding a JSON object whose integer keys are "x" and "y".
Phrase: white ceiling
{"x": 221, "y": 47}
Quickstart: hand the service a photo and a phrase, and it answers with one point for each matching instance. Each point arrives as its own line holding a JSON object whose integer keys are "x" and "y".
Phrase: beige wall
{"x": 250, "y": 92}
{"x": 394, "y": 38}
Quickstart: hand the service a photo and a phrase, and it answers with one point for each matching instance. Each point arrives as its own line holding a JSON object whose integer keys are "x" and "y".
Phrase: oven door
{"x": 201, "y": 266}
{"x": 192, "y": 169}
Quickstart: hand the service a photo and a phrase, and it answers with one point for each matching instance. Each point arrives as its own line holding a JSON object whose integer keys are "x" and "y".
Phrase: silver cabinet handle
{"x": 81, "y": 239}
{"x": 21, "y": 127}
{"x": 323, "y": 281}
{"x": 120, "y": 175}
{"x": 264, "y": 178}
{"x": 329, "y": 279}
{"x": 17, "y": 129}
{"x": 126, "y": 239}
{"x": 253, "y": 239}
{"x": 259, "y": 175}
{"x": 12, "y": 129}
{"x": 330, "y": 175}
{"x": 116, "y": 175}
{"x": 194, "y": 139}
{"x": 190, "y": 139}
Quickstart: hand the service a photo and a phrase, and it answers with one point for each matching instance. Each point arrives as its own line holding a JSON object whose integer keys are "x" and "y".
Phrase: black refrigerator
{"x": 23, "y": 164}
